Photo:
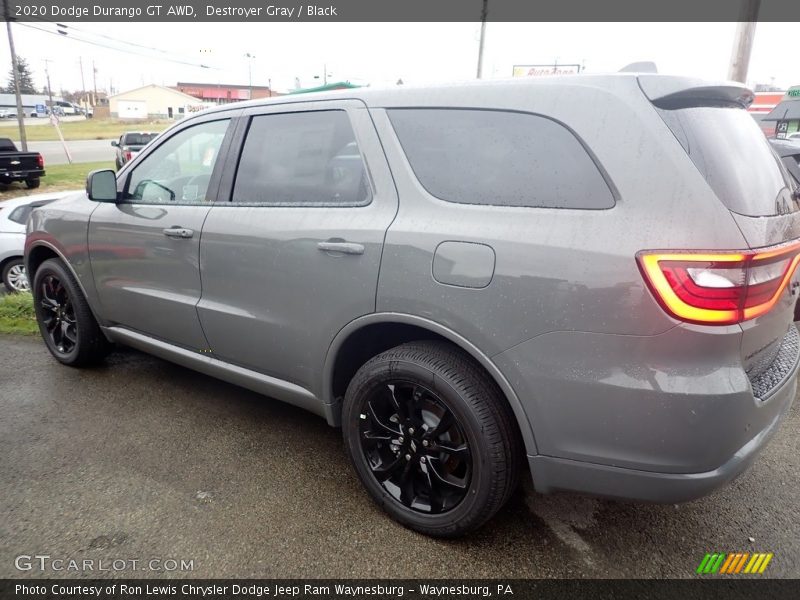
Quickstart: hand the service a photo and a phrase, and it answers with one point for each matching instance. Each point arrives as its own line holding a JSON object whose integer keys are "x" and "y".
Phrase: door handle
{"x": 341, "y": 247}
{"x": 178, "y": 232}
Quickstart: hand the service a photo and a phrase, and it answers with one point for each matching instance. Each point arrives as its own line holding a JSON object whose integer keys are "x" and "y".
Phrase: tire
{"x": 14, "y": 276}
{"x": 65, "y": 321}
{"x": 32, "y": 183}
{"x": 462, "y": 468}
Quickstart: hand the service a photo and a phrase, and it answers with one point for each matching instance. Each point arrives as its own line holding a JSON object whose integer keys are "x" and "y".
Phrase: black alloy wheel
{"x": 431, "y": 437}
{"x": 415, "y": 447}
{"x": 58, "y": 314}
{"x": 66, "y": 322}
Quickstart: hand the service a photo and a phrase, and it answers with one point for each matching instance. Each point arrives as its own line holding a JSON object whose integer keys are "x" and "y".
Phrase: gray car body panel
{"x": 612, "y": 395}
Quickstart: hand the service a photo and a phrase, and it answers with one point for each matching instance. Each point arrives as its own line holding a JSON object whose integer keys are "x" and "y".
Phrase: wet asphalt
{"x": 141, "y": 459}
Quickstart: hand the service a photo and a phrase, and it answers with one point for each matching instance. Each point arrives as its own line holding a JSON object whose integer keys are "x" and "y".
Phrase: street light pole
{"x": 250, "y": 58}
{"x": 15, "y": 68}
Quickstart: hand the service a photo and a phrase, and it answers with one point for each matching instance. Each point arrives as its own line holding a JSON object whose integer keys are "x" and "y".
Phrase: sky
{"x": 380, "y": 53}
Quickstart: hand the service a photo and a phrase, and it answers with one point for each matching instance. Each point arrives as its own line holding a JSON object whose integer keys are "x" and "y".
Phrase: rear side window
{"x": 301, "y": 159}
{"x": 20, "y": 214}
{"x": 499, "y": 158}
{"x": 730, "y": 151}
{"x": 138, "y": 139}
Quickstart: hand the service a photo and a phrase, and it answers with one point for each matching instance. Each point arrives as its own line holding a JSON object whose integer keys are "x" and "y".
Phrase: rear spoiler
{"x": 681, "y": 92}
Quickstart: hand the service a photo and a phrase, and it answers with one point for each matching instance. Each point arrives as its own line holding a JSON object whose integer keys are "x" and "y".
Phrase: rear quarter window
{"x": 735, "y": 158}
{"x": 499, "y": 158}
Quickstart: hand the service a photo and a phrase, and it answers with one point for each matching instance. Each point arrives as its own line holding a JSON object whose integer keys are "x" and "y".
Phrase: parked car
{"x": 794, "y": 136}
{"x": 20, "y": 166}
{"x": 8, "y": 113}
{"x": 505, "y": 277}
{"x": 130, "y": 144}
{"x": 14, "y": 215}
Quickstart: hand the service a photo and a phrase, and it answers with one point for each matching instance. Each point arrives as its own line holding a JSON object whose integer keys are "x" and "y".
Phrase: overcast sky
{"x": 384, "y": 52}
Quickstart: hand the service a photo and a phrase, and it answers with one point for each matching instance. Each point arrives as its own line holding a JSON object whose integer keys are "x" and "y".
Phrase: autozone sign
{"x": 545, "y": 70}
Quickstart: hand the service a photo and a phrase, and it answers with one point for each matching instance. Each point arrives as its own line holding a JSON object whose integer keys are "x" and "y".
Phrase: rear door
{"x": 291, "y": 251}
{"x": 144, "y": 249}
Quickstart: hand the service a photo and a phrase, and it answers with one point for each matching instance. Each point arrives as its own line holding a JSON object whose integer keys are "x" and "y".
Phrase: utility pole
{"x": 743, "y": 40}
{"x": 49, "y": 87}
{"x": 94, "y": 81}
{"x": 484, "y": 13}
{"x": 15, "y": 67}
{"x": 83, "y": 85}
{"x": 250, "y": 58}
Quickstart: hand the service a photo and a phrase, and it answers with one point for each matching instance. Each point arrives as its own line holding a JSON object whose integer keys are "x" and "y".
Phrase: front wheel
{"x": 65, "y": 321}
{"x": 14, "y": 277}
{"x": 431, "y": 438}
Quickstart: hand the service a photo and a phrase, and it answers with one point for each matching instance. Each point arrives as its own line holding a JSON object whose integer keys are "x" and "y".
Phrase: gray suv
{"x": 594, "y": 275}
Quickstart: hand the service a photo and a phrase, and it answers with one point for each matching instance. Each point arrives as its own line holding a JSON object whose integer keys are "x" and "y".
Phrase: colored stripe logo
{"x": 733, "y": 563}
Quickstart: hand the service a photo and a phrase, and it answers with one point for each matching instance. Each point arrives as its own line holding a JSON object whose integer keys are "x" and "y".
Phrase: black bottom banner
{"x": 415, "y": 589}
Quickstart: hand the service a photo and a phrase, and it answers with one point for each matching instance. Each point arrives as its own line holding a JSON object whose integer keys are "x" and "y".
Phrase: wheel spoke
{"x": 444, "y": 424}
{"x": 443, "y": 480}
{"x": 407, "y": 486}
{"x": 434, "y": 494}
{"x": 396, "y": 403}
{"x": 68, "y": 333}
{"x": 461, "y": 451}
{"x": 379, "y": 423}
{"x": 385, "y": 471}
{"x": 373, "y": 439}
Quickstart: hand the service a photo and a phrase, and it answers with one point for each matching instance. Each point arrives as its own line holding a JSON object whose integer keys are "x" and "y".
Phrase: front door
{"x": 144, "y": 250}
{"x": 292, "y": 248}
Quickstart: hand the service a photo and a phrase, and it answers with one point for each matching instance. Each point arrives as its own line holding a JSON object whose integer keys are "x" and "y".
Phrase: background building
{"x": 223, "y": 93}
{"x": 152, "y": 102}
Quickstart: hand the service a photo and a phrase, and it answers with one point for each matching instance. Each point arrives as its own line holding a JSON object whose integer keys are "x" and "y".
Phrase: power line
{"x": 64, "y": 35}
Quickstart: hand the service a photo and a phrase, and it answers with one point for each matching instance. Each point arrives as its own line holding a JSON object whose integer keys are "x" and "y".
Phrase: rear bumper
{"x": 21, "y": 175}
{"x": 557, "y": 474}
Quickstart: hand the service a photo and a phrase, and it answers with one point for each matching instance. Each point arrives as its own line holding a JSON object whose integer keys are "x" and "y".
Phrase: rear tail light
{"x": 127, "y": 155}
{"x": 719, "y": 288}
{"x": 40, "y": 161}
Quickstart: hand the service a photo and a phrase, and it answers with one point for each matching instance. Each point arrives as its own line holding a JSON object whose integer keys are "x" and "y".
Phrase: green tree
{"x": 26, "y": 85}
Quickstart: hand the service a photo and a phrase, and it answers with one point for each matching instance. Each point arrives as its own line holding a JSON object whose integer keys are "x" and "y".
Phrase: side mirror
{"x": 101, "y": 185}
{"x": 115, "y": 143}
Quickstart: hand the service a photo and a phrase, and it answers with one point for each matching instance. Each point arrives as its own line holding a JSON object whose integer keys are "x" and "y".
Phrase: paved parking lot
{"x": 141, "y": 459}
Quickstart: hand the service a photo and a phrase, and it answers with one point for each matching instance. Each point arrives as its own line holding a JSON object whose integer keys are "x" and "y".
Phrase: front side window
{"x": 301, "y": 159}
{"x": 179, "y": 170}
{"x": 499, "y": 158}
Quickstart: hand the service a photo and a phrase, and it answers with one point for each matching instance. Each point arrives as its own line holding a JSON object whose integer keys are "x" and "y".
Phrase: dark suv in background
{"x": 593, "y": 275}
{"x": 130, "y": 144}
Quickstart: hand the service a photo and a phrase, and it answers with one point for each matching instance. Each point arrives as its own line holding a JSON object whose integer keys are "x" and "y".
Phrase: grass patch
{"x": 89, "y": 129}
{"x": 58, "y": 178}
{"x": 17, "y": 315}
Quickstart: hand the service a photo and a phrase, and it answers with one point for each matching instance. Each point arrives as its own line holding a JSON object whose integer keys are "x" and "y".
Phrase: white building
{"x": 152, "y": 102}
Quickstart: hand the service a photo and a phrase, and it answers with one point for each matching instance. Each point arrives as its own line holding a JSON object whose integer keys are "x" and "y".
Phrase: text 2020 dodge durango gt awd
{"x": 593, "y": 273}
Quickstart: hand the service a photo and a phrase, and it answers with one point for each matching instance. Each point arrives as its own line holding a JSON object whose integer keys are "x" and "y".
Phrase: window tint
{"x": 180, "y": 169}
{"x": 500, "y": 158}
{"x": 137, "y": 139}
{"x": 20, "y": 214}
{"x": 729, "y": 149}
{"x": 305, "y": 159}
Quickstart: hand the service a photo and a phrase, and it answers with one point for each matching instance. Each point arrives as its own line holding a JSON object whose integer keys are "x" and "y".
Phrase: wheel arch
{"x": 40, "y": 251}
{"x": 372, "y": 334}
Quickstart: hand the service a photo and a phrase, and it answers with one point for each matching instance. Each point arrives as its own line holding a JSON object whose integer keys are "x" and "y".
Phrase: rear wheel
{"x": 431, "y": 438}
{"x": 65, "y": 321}
{"x": 32, "y": 183}
{"x": 14, "y": 277}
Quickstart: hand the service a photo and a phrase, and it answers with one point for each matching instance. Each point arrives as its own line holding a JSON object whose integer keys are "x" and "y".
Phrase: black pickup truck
{"x": 19, "y": 166}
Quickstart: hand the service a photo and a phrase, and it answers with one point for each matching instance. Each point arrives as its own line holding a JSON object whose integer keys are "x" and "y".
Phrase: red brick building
{"x": 223, "y": 93}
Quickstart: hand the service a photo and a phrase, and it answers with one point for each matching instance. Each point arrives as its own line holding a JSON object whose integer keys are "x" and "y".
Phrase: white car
{"x": 14, "y": 215}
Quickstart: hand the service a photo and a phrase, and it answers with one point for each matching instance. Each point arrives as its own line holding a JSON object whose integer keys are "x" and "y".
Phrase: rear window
{"x": 730, "y": 151}
{"x": 500, "y": 158}
{"x": 138, "y": 139}
{"x": 20, "y": 214}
